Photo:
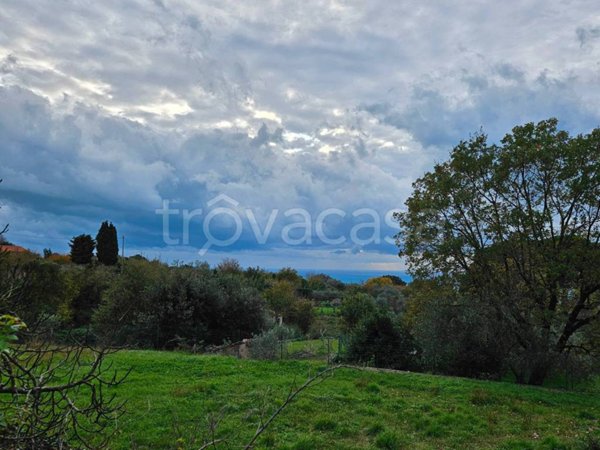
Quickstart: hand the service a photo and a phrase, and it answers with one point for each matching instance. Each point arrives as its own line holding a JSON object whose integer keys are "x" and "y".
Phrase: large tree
{"x": 516, "y": 225}
{"x": 107, "y": 245}
{"x": 82, "y": 249}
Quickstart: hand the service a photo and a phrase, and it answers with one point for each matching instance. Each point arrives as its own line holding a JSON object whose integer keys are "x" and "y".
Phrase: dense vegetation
{"x": 148, "y": 304}
{"x": 511, "y": 234}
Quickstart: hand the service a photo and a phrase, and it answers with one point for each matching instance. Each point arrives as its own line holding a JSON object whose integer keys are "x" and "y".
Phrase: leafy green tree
{"x": 38, "y": 289}
{"x": 281, "y": 297}
{"x": 257, "y": 278}
{"x": 517, "y": 225}
{"x": 302, "y": 314}
{"x": 456, "y": 336}
{"x": 82, "y": 249}
{"x": 380, "y": 341}
{"x": 152, "y": 305}
{"x": 290, "y": 275}
{"x": 127, "y": 314}
{"x": 356, "y": 307}
{"x": 107, "y": 244}
{"x": 229, "y": 265}
{"x": 91, "y": 283}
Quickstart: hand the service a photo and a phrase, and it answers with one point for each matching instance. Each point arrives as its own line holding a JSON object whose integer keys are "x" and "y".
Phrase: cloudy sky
{"x": 245, "y": 113}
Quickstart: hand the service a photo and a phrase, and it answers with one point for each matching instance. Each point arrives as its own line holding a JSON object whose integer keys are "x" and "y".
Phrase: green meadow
{"x": 176, "y": 401}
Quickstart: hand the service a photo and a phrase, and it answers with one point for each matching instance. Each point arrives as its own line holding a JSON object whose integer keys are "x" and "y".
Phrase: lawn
{"x": 171, "y": 395}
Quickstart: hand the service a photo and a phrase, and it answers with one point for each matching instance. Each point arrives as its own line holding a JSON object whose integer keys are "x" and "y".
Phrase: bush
{"x": 302, "y": 315}
{"x": 356, "y": 307}
{"x": 457, "y": 336}
{"x": 92, "y": 282}
{"x": 165, "y": 307}
{"x": 38, "y": 288}
{"x": 268, "y": 345}
{"x": 381, "y": 342}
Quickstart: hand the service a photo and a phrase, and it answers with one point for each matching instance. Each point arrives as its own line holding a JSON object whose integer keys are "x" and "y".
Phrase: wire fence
{"x": 326, "y": 348}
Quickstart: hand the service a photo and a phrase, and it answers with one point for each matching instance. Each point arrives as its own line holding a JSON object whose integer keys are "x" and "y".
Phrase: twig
{"x": 289, "y": 399}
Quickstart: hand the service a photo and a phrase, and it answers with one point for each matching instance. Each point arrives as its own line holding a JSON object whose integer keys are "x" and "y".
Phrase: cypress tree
{"x": 82, "y": 249}
{"x": 107, "y": 244}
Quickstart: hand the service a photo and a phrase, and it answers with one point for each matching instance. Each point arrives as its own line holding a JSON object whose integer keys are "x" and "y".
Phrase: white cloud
{"x": 110, "y": 107}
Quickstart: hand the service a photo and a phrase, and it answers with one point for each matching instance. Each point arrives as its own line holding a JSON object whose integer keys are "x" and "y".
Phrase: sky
{"x": 279, "y": 133}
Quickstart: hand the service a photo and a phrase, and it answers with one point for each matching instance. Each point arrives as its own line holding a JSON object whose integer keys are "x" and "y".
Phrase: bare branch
{"x": 320, "y": 376}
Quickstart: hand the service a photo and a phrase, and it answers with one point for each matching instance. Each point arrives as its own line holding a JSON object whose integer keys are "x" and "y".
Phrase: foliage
{"x": 456, "y": 336}
{"x": 257, "y": 278}
{"x": 38, "y": 288}
{"x": 229, "y": 265}
{"x": 9, "y": 327}
{"x": 269, "y": 344}
{"x": 396, "y": 280}
{"x": 162, "y": 307}
{"x": 282, "y": 299}
{"x": 107, "y": 244}
{"x": 91, "y": 283}
{"x": 323, "y": 282}
{"x": 381, "y": 342}
{"x": 59, "y": 259}
{"x": 516, "y": 225}
{"x": 290, "y": 275}
{"x": 356, "y": 307}
{"x": 302, "y": 314}
{"x": 378, "y": 282}
{"x": 82, "y": 249}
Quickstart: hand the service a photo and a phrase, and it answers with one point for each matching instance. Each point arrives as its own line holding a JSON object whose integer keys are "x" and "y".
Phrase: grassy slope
{"x": 170, "y": 394}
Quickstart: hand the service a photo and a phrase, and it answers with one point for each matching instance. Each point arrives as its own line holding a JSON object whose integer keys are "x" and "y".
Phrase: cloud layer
{"x": 108, "y": 109}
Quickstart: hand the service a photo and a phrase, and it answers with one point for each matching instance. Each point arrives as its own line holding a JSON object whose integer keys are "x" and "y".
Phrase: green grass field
{"x": 313, "y": 348}
{"x": 170, "y": 395}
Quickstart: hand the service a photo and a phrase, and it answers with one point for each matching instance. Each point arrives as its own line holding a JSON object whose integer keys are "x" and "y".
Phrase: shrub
{"x": 356, "y": 307}
{"x": 302, "y": 315}
{"x": 38, "y": 288}
{"x": 456, "y": 336}
{"x": 161, "y": 307}
{"x": 380, "y": 341}
{"x": 269, "y": 344}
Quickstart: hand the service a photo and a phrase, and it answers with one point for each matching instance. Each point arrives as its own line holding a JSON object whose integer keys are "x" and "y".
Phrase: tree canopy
{"x": 517, "y": 225}
{"x": 82, "y": 249}
{"x": 107, "y": 244}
